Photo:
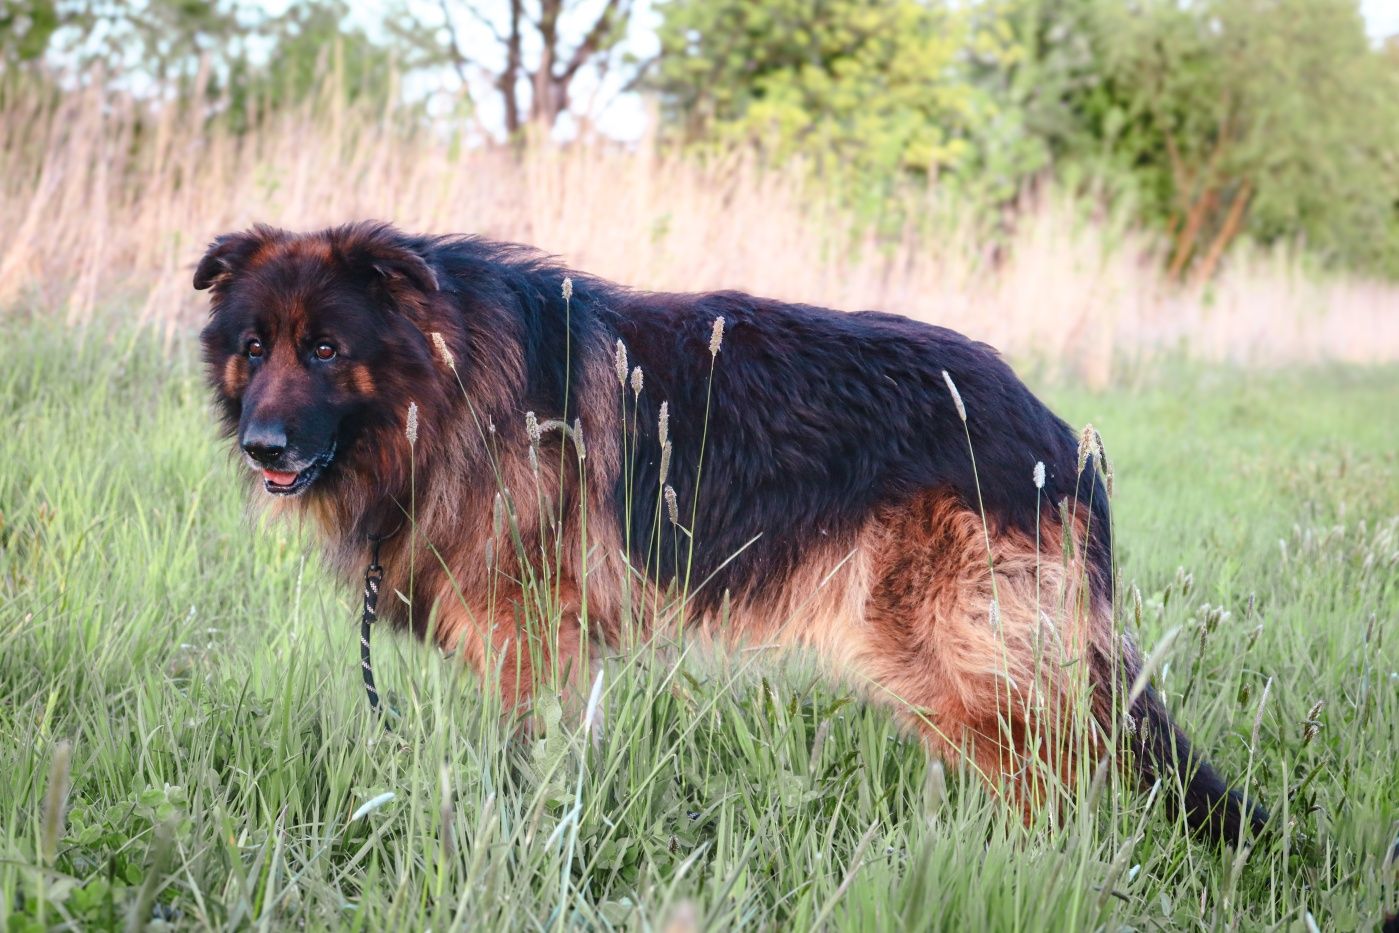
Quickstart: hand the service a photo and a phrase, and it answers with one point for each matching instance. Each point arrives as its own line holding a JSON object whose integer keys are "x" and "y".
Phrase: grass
{"x": 198, "y": 672}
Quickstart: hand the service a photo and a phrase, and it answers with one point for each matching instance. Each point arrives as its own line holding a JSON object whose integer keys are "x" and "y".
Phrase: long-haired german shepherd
{"x": 884, "y": 492}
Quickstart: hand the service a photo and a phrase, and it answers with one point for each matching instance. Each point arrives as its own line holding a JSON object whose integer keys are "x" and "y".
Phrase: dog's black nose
{"x": 265, "y": 443}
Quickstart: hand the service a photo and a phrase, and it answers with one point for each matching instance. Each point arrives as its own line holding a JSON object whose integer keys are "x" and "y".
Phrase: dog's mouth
{"x": 280, "y": 483}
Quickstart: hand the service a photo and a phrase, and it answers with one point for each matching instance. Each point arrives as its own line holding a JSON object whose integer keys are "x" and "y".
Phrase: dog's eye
{"x": 254, "y": 348}
{"x": 325, "y": 351}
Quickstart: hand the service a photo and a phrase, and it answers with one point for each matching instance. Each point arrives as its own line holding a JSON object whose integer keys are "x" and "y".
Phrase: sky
{"x": 1381, "y": 17}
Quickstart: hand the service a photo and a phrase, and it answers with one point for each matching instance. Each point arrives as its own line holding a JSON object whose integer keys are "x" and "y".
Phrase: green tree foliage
{"x": 236, "y": 53}
{"x": 1208, "y": 118}
{"x": 26, "y": 26}
{"x": 307, "y": 43}
{"x": 160, "y": 41}
{"x": 1271, "y": 117}
{"x": 871, "y": 93}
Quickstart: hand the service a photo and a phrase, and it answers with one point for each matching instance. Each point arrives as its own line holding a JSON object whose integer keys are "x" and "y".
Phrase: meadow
{"x": 185, "y": 742}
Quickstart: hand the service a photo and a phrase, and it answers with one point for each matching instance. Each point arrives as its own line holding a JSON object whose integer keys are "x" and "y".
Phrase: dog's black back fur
{"x": 817, "y": 416}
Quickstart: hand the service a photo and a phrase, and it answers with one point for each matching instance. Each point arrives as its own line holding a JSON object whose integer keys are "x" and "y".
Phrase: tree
{"x": 26, "y": 28}
{"x": 529, "y": 55}
{"x": 1210, "y": 119}
{"x": 866, "y": 89}
{"x": 309, "y": 42}
{"x": 222, "y": 51}
{"x": 163, "y": 41}
{"x": 1272, "y": 117}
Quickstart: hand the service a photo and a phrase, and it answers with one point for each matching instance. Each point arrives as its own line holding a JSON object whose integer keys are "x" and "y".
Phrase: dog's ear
{"x": 229, "y": 253}
{"x": 381, "y": 250}
{"x": 400, "y": 267}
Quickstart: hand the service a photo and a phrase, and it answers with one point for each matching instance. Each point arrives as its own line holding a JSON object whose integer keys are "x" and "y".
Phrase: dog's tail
{"x": 1160, "y": 751}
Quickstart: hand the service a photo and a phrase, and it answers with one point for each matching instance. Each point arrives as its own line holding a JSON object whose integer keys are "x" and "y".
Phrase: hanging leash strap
{"x": 373, "y": 579}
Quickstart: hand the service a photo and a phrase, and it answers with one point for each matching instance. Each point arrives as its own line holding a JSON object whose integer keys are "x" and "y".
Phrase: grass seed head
{"x": 956, "y": 396}
{"x": 1311, "y": 726}
{"x": 1085, "y": 445}
{"x": 684, "y": 918}
{"x": 665, "y": 462}
{"x": 1258, "y": 719}
{"x": 716, "y": 336}
{"x": 567, "y": 288}
{"x": 412, "y": 430}
{"x": 440, "y": 343}
{"x": 1253, "y": 636}
{"x": 663, "y": 424}
{"x": 637, "y": 380}
{"x": 1104, "y": 466}
{"x": 578, "y": 439}
{"x": 532, "y": 428}
{"x": 672, "y": 506}
{"x": 935, "y": 786}
{"x": 620, "y": 363}
{"x": 55, "y": 799}
{"x": 1039, "y": 474}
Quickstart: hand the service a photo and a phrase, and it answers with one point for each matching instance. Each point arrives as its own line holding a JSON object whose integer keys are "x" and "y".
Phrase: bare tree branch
{"x": 482, "y": 19}
{"x": 643, "y": 68}
{"x": 551, "y": 76}
{"x": 454, "y": 53}
{"x": 508, "y": 83}
{"x": 593, "y": 39}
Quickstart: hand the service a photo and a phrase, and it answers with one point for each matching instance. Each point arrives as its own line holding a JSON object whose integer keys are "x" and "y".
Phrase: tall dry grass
{"x": 107, "y": 203}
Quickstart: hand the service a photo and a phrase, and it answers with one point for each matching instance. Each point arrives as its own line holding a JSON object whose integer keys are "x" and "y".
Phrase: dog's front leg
{"x": 514, "y": 650}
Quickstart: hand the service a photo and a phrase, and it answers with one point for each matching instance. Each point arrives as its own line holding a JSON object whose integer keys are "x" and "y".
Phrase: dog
{"x": 885, "y": 493}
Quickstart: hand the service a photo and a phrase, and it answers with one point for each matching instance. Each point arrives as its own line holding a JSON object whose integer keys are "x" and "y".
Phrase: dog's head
{"x": 313, "y": 340}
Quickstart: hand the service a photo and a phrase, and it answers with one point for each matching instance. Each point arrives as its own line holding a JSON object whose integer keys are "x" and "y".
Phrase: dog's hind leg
{"x": 987, "y": 666}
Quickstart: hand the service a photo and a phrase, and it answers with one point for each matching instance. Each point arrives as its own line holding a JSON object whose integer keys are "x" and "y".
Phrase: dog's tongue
{"x": 279, "y": 479}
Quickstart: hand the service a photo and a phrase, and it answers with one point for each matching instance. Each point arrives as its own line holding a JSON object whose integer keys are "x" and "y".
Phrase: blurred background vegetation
{"x": 1204, "y": 120}
{"x": 1064, "y": 178}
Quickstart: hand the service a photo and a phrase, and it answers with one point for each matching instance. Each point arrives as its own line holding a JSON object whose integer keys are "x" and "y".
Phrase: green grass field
{"x": 222, "y": 759}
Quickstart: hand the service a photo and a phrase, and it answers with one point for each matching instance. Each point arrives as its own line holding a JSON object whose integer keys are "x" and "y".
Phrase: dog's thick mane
{"x": 516, "y": 347}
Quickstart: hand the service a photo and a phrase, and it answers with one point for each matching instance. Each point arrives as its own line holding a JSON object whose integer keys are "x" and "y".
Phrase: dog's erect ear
{"x": 403, "y": 267}
{"x": 229, "y": 253}
{"x": 383, "y": 251}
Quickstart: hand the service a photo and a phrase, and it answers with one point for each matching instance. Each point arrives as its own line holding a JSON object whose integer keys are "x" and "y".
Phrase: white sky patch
{"x": 1381, "y": 18}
